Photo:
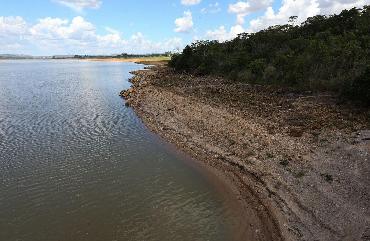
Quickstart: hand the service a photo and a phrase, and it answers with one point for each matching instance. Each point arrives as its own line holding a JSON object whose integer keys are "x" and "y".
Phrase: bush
{"x": 360, "y": 89}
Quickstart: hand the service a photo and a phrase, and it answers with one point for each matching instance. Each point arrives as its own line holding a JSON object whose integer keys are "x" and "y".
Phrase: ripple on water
{"x": 75, "y": 164}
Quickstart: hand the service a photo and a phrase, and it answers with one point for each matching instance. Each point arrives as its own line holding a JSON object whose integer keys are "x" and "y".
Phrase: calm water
{"x": 75, "y": 164}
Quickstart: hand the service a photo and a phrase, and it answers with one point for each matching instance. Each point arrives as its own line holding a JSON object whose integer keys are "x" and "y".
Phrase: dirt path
{"x": 300, "y": 163}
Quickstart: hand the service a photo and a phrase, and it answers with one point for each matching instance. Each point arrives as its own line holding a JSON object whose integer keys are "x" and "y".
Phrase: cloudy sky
{"x": 47, "y": 27}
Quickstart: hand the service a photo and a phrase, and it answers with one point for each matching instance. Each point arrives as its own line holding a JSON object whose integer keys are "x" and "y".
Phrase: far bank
{"x": 139, "y": 60}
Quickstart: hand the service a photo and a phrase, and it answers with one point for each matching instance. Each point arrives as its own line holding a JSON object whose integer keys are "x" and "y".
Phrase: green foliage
{"x": 360, "y": 88}
{"x": 323, "y": 53}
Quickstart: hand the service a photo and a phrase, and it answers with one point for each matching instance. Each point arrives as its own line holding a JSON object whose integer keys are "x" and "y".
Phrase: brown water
{"x": 75, "y": 164}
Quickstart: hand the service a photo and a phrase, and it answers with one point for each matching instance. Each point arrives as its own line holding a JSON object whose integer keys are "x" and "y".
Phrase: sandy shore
{"x": 299, "y": 162}
{"x": 143, "y": 60}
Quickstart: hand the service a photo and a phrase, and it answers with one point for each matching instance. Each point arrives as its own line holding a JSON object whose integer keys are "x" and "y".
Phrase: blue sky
{"x": 46, "y": 27}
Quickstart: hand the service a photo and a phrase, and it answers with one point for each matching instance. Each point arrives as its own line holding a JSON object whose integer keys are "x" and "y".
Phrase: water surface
{"x": 76, "y": 164}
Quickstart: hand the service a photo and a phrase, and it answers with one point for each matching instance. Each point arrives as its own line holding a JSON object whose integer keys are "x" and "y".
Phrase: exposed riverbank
{"x": 300, "y": 163}
{"x": 139, "y": 60}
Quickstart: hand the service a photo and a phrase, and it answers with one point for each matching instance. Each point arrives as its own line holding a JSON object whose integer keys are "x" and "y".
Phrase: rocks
{"x": 295, "y": 132}
{"x": 123, "y": 93}
{"x": 128, "y": 103}
{"x": 127, "y": 93}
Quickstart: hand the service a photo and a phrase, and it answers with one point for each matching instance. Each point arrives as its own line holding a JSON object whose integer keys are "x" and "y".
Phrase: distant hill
{"x": 15, "y": 56}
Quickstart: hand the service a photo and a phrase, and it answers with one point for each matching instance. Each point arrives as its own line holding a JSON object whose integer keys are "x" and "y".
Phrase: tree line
{"x": 324, "y": 53}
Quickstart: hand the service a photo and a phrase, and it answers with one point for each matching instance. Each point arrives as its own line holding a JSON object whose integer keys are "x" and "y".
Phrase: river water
{"x": 76, "y": 164}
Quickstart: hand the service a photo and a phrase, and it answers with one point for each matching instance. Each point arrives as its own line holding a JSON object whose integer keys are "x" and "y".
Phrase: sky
{"x": 53, "y": 27}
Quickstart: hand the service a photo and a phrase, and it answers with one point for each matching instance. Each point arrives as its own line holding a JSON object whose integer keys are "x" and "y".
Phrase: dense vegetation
{"x": 323, "y": 53}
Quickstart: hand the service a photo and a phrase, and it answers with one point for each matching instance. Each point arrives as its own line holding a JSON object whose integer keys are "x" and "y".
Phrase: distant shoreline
{"x": 140, "y": 60}
{"x": 103, "y": 58}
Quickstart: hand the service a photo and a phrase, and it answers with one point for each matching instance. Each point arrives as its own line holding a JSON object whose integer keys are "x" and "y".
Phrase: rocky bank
{"x": 299, "y": 162}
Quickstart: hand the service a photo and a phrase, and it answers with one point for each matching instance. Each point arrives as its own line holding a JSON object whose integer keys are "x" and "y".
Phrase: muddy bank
{"x": 299, "y": 162}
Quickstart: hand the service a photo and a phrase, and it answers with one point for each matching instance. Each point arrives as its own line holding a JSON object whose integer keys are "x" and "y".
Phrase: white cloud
{"x": 138, "y": 44}
{"x": 303, "y": 9}
{"x": 12, "y": 25}
{"x": 185, "y": 23}
{"x": 12, "y": 33}
{"x": 244, "y": 8}
{"x": 111, "y": 30}
{"x": 190, "y": 2}
{"x": 222, "y": 34}
{"x": 78, "y": 36}
{"x": 79, "y": 5}
{"x": 58, "y": 29}
{"x": 241, "y": 9}
{"x": 330, "y": 6}
{"x": 211, "y": 8}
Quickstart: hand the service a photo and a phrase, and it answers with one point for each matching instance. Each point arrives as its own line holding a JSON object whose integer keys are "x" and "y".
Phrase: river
{"x": 76, "y": 164}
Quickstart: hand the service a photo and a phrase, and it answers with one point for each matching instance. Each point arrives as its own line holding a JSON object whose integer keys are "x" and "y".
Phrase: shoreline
{"x": 292, "y": 174}
{"x": 227, "y": 191}
{"x": 254, "y": 222}
{"x": 259, "y": 225}
{"x": 142, "y": 60}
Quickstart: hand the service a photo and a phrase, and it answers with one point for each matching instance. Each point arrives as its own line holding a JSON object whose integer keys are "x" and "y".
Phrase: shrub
{"x": 360, "y": 89}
